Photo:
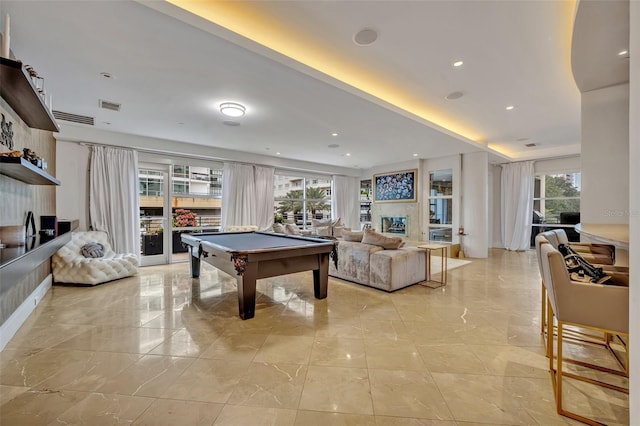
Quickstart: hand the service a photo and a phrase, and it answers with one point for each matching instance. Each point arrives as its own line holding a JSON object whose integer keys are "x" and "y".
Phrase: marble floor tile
{"x": 207, "y": 380}
{"x": 150, "y": 376}
{"x": 270, "y": 385}
{"x": 393, "y": 354}
{"x": 285, "y": 349}
{"x": 168, "y": 412}
{"x": 338, "y": 352}
{"x": 337, "y": 389}
{"x": 161, "y": 348}
{"x": 402, "y": 393}
{"x": 233, "y": 415}
{"x": 105, "y": 409}
{"x": 314, "y": 418}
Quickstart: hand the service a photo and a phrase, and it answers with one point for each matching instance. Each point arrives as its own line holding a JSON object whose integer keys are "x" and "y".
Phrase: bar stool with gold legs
{"x": 597, "y": 307}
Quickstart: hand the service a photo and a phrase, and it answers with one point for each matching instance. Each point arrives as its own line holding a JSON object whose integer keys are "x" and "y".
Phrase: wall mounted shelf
{"x": 18, "y": 90}
{"x": 22, "y": 170}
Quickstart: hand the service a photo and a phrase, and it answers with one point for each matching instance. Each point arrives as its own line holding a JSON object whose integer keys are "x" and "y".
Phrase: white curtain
{"x": 517, "y": 204}
{"x": 113, "y": 197}
{"x": 264, "y": 196}
{"x": 247, "y": 195}
{"x": 346, "y": 201}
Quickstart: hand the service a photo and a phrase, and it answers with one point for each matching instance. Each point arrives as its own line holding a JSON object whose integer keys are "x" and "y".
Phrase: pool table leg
{"x": 195, "y": 262}
{"x": 321, "y": 277}
{"x": 247, "y": 291}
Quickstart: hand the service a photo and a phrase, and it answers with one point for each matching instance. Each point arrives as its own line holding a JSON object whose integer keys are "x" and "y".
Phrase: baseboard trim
{"x": 20, "y": 315}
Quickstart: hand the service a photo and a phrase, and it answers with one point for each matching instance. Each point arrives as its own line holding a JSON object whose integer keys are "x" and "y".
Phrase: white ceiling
{"x": 168, "y": 71}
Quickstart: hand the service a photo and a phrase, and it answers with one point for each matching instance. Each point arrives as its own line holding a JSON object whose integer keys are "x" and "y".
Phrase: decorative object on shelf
{"x": 38, "y": 81}
{"x": 30, "y": 224}
{"x": 6, "y": 37}
{"x": 398, "y": 186}
{"x": 7, "y": 132}
{"x": 33, "y": 158}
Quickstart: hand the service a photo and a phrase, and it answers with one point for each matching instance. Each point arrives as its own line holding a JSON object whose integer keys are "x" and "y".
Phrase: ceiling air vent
{"x": 113, "y": 106}
{"x": 73, "y": 118}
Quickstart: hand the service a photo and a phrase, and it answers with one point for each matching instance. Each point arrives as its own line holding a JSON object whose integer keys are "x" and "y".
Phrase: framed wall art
{"x": 396, "y": 187}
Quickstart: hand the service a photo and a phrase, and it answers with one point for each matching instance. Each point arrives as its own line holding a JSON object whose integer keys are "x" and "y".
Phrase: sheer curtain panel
{"x": 247, "y": 195}
{"x": 113, "y": 197}
{"x": 517, "y": 204}
{"x": 346, "y": 200}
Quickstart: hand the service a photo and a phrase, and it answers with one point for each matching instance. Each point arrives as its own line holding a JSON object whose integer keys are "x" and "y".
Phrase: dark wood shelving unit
{"x": 22, "y": 170}
{"x": 18, "y": 90}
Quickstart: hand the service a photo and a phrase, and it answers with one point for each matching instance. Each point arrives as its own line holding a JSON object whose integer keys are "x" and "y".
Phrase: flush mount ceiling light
{"x": 334, "y": 134}
{"x": 232, "y": 109}
{"x": 365, "y": 37}
{"x": 458, "y": 64}
{"x": 510, "y": 107}
{"x": 623, "y": 53}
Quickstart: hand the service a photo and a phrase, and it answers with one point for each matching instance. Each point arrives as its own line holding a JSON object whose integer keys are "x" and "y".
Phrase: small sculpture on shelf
{"x": 7, "y": 133}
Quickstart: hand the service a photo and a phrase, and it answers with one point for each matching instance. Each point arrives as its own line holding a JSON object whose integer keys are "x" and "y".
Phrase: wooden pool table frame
{"x": 248, "y": 266}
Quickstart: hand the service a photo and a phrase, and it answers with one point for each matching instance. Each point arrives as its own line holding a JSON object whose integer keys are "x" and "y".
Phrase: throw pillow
{"x": 292, "y": 229}
{"x": 316, "y": 223}
{"x": 92, "y": 250}
{"x": 322, "y": 231}
{"x": 387, "y": 243}
{"x": 279, "y": 228}
{"x": 355, "y": 236}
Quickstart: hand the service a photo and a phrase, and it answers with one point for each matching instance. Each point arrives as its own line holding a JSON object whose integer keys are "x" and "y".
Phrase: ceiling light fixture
{"x": 415, "y": 155}
{"x": 458, "y": 64}
{"x": 623, "y": 53}
{"x": 510, "y": 107}
{"x": 232, "y": 109}
{"x": 348, "y": 154}
{"x": 334, "y": 134}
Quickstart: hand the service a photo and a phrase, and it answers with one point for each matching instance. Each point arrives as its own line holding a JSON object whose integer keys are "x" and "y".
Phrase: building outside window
{"x": 556, "y": 203}
{"x": 302, "y": 199}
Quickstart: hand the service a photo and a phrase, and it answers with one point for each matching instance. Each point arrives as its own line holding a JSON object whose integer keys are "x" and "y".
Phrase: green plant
{"x": 278, "y": 218}
{"x": 159, "y": 231}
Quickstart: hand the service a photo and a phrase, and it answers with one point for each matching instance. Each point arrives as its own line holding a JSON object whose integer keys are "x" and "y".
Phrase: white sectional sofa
{"x": 376, "y": 267}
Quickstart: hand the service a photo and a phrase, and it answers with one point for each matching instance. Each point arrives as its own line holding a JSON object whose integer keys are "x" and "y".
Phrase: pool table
{"x": 250, "y": 256}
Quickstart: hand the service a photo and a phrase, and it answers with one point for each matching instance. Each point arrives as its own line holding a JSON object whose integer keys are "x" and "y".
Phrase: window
{"x": 556, "y": 203}
{"x": 440, "y": 205}
{"x": 150, "y": 183}
{"x": 305, "y": 201}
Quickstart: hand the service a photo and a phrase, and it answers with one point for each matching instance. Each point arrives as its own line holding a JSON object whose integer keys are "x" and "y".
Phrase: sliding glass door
{"x": 155, "y": 212}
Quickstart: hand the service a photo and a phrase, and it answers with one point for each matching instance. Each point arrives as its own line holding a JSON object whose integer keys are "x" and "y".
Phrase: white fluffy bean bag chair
{"x": 71, "y": 266}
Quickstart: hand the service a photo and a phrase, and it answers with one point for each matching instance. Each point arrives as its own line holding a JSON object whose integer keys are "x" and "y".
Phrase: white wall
{"x": 605, "y": 155}
{"x": 475, "y": 204}
{"x": 72, "y": 196}
{"x": 634, "y": 205}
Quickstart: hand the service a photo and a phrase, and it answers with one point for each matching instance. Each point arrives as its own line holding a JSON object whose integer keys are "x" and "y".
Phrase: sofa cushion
{"x": 355, "y": 236}
{"x": 387, "y": 243}
{"x": 394, "y": 269}
{"x": 353, "y": 261}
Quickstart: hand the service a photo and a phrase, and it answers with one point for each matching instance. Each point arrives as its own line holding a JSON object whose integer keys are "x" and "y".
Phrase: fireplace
{"x": 395, "y": 225}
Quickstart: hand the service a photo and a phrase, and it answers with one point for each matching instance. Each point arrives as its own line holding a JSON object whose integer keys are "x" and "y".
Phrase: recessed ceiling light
{"x": 530, "y": 145}
{"x": 453, "y": 96}
{"x": 365, "y": 37}
{"x": 458, "y": 64}
{"x": 348, "y": 154}
{"x": 232, "y": 109}
{"x": 106, "y": 75}
{"x": 277, "y": 153}
{"x": 623, "y": 53}
{"x": 415, "y": 155}
{"x": 334, "y": 134}
{"x": 510, "y": 107}
{"x": 333, "y": 145}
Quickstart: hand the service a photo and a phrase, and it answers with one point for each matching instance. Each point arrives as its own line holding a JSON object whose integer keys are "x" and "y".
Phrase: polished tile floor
{"x": 147, "y": 351}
